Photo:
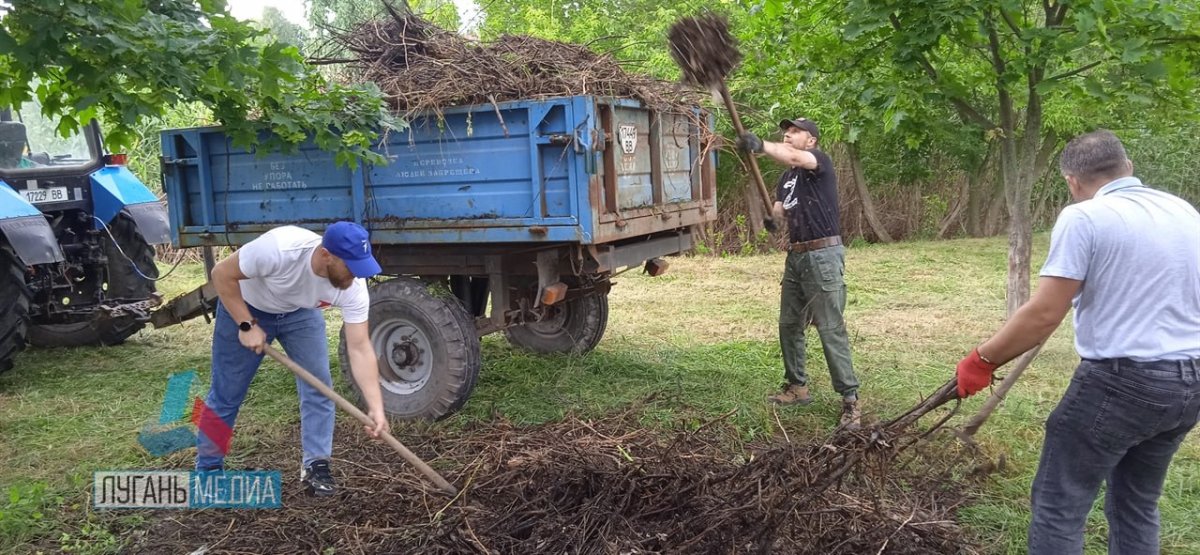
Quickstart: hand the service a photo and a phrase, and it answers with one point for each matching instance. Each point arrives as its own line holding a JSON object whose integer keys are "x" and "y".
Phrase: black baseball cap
{"x": 801, "y": 123}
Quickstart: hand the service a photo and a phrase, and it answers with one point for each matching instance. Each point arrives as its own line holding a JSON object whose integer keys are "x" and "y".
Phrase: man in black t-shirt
{"x": 813, "y": 288}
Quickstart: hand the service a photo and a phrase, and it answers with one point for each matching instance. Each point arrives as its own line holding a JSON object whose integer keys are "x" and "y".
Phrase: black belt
{"x": 1160, "y": 365}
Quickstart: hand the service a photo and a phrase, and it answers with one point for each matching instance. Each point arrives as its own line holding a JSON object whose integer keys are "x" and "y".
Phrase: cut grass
{"x": 703, "y": 336}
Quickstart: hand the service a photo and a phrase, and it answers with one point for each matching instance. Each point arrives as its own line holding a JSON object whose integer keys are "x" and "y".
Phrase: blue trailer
{"x": 528, "y": 207}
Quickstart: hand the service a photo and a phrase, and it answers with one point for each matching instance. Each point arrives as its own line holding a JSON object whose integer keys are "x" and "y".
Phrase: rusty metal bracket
{"x": 199, "y": 302}
{"x": 547, "y": 269}
{"x": 601, "y": 267}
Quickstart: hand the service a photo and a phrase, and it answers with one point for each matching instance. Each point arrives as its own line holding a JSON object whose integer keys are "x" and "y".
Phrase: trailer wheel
{"x": 574, "y": 326}
{"x": 123, "y": 283}
{"x": 429, "y": 354}
{"x": 14, "y": 318}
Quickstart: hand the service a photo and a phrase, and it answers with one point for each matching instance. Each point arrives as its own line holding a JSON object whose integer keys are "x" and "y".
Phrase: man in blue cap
{"x": 275, "y": 287}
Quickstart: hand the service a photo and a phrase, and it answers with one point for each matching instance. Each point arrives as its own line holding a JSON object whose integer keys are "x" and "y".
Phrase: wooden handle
{"x": 737, "y": 127}
{"x": 362, "y": 417}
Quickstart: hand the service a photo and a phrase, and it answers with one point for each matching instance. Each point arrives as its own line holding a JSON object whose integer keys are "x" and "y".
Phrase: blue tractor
{"x": 77, "y": 230}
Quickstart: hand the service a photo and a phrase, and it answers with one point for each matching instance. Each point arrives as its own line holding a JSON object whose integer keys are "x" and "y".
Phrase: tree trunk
{"x": 975, "y": 215}
{"x": 1044, "y": 197}
{"x": 1020, "y": 243}
{"x": 1033, "y": 161}
{"x": 1032, "y": 158}
{"x": 981, "y": 189}
{"x": 858, "y": 228}
{"x": 864, "y": 195}
{"x": 1039, "y": 211}
{"x": 956, "y": 209}
{"x": 754, "y": 209}
{"x": 994, "y": 221}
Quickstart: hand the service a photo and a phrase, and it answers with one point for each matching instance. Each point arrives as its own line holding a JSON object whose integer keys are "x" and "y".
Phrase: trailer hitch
{"x": 140, "y": 310}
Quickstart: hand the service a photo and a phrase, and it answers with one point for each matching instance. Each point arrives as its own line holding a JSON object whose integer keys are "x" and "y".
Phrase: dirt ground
{"x": 606, "y": 486}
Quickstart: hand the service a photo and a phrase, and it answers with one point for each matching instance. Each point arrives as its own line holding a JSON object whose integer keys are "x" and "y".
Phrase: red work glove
{"x": 974, "y": 374}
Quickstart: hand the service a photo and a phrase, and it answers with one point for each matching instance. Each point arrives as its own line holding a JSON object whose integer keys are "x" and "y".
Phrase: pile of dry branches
{"x": 421, "y": 67}
{"x": 605, "y": 486}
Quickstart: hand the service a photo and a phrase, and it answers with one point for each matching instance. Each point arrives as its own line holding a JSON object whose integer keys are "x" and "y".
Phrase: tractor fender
{"x": 26, "y": 229}
{"x": 115, "y": 188}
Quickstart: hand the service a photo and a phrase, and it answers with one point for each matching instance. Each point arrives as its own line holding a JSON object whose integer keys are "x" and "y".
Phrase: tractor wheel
{"x": 15, "y": 297}
{"x": 124, "y": 283}
{"x": 574, "y": 326}
{"x": 427, "y": 346}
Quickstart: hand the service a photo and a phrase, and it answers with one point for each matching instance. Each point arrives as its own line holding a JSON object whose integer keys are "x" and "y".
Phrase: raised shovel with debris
{"x": 706, "y": 52}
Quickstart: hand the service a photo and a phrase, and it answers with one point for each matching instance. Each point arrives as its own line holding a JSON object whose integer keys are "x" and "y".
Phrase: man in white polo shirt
{"x": 1128, "y": 258}
{"x": 274, "y": 287}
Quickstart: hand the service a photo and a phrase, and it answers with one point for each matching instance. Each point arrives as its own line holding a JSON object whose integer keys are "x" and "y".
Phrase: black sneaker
{"x": 316, "y": 478}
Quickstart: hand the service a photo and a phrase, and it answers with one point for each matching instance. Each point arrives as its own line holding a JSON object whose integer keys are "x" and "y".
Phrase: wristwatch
{"x": 245, "y": 326}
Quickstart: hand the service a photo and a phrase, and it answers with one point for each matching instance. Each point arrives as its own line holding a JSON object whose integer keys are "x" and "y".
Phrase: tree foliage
{"x": 129, "y": 60}
{"x": 278, "y": 28}
{"x": 1024, "y": 74}
{"x": 345, "y": 14}
{"x": 632, "y": 31}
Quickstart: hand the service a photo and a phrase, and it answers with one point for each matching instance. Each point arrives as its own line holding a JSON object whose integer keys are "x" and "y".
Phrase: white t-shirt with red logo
{"x": 279, "y": 265}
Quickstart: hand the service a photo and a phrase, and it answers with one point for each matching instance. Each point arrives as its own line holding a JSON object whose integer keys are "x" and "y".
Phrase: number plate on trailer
{"x": 49, "y": 194}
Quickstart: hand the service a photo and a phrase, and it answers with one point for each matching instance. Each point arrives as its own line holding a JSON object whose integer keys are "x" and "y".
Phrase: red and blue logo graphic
{"x": 172, "y": 432}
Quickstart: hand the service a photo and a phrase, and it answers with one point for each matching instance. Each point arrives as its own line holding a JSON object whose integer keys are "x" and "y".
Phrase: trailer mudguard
{"x": 115, "y": 188}
{"x": 26, "y": 229}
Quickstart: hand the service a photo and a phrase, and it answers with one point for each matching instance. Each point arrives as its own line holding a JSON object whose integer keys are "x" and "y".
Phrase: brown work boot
{"x": 851, "y": 415}
{"x": 792, "y": 394}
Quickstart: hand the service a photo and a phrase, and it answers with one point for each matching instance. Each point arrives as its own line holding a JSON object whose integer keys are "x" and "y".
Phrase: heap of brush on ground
{"x": 421, "y": 67}
{"x": 607, "y": 485}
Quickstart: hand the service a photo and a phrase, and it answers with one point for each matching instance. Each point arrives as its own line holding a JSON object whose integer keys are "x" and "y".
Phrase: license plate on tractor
{"x": 49, "y": 194}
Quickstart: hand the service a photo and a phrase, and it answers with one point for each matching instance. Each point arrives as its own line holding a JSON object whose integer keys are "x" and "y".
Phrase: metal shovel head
{"x": 704, "y": 48}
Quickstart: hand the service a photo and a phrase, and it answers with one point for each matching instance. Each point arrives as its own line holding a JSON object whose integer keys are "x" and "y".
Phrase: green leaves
{"x": 977, "y": 56}
{"x": 130, "y": 60}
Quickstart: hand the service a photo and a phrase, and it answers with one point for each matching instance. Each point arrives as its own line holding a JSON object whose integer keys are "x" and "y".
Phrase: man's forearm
{"x": 365, "y": 369}
{"x": 1028, "y": 327}
{"x": 785, "y": 154}
{"x": 778, "y": 152}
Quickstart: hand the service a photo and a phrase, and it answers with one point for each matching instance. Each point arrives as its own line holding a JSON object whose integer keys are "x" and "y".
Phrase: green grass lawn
{"x": 703, "y": 335}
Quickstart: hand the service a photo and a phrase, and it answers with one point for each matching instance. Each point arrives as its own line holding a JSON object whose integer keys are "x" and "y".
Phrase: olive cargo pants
{"x": 814, "y": 291}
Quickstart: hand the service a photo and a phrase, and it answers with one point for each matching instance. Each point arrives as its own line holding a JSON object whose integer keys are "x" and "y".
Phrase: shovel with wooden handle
{"x": 768, "y": 221}
{"x": 706, "y": 52}
{"x": 354, "y": 411}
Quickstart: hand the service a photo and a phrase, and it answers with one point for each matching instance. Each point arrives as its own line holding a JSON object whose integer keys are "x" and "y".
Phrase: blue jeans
{"x": 1120, "y": 422}
{"x": 302, "y": 334}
